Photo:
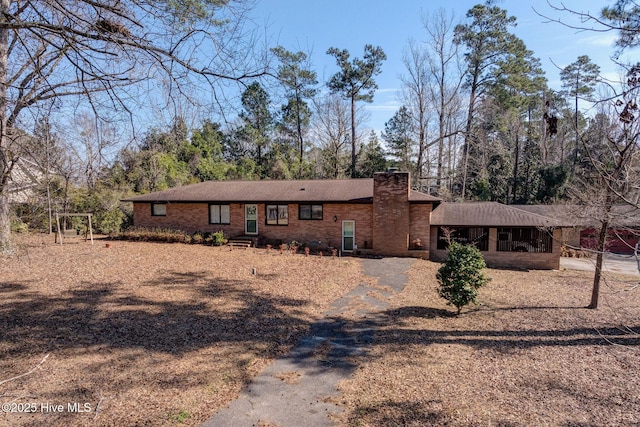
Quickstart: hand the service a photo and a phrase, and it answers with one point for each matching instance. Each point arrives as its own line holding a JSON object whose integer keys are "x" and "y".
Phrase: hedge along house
{"x": 380, "y": 215}
{"x": 506, "y": 236}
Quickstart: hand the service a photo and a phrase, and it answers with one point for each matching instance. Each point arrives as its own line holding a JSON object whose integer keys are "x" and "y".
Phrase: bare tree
{"x": 415, "y": 91}
{"x": 92, "y": 145}
{"x": 614, "y": 153}
{"x": 612, "y": 178}
{"x": 332, "y": 130}
{"x": 446, "y": 74}
{"x": 104, "y": 52}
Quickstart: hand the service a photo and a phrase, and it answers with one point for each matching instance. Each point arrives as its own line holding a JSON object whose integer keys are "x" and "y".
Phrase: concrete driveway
{"x": 320, "y": 360}
{"x": 614, "y": 263}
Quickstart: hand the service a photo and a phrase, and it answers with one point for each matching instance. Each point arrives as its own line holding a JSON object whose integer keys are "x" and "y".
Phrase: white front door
{"x": 348, "y": 235}
{"x": 251, "y": 219}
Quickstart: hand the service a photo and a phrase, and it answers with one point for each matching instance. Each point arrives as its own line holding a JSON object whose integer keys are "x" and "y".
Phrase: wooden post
{"x": 90, "y": 229}
{"x": 59, "y": 233}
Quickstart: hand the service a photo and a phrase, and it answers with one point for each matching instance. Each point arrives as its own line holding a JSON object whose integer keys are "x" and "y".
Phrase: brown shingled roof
{"x": 487, "y": 214}
{"x": 337, "y": 190}
{"x": 586, "y": 216}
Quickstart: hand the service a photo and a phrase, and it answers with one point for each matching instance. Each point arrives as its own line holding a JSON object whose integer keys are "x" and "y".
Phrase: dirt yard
{"x": 530, "y": 355}
{"x": 148, "y": 334}
{"x": 144, "y": 334}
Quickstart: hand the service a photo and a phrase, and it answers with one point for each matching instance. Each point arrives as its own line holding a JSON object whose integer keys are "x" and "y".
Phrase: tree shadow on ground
{"x": 421, "y": 312}
{"x": 6, "y": 287}
{"x": 102, "y": 314}
{"x": 393, "y": 413}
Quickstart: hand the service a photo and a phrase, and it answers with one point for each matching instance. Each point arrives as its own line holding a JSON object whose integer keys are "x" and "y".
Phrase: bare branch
{"x": 32, "y": 370}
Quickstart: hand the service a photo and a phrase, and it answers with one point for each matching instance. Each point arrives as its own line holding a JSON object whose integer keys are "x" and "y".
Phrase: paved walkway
{"x": 614, "y": 263}
{"x": 295, "y": 390}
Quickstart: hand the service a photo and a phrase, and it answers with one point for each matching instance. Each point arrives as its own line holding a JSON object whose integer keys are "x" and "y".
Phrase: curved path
{"x": 296, "y": 389}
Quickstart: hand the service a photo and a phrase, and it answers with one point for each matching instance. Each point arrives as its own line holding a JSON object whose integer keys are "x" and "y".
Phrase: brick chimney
{"x": 391, "y": 213}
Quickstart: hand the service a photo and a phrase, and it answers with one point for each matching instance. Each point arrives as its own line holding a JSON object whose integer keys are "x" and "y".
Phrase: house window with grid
{"x": 475, "y": 236}
{"x": 219, "y": 214}
{"x": 310, "y": 212}
{"x": 277, "y": 214}
{"x": 524, "y": 239}
{"x": 158, "y": 209}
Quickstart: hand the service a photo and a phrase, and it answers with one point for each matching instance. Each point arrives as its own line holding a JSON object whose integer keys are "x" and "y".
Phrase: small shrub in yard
{"x": 461, "y": 275}
{"x": 17, "y": 226}
{"x": 197, "y": 237}
{"x": 218, "y": 239}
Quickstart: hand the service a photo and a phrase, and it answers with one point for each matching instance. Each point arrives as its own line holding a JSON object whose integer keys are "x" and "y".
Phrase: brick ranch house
{"x": 380, "y": 215}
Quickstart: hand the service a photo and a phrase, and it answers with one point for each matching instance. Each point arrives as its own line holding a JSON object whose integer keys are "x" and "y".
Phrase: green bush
{"x": 218, "y": 238}
{"x": 109, "y": 221}
{"x": 17, "y": 226}
{"x": 166, "y": 235}
{"x": 461, "y": 275}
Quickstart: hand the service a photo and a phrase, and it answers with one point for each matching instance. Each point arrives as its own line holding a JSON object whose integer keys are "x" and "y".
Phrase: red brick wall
{"x": 192, "y": 217}
{"x": 391, "y": 213}
{"x": 420, "y": 225}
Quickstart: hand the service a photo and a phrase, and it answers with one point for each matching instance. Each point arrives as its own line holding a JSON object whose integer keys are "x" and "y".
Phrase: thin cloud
{"x": 600, "y": 39}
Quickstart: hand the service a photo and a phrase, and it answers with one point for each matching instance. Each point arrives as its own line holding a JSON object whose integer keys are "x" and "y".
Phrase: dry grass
{"x": 529, "y": 355}
{"x": 150, "y": 334}
{"x": 166, "y": 334}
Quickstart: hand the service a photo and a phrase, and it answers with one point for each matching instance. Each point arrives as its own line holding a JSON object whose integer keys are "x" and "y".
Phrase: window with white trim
{"x": 219, "y": 214}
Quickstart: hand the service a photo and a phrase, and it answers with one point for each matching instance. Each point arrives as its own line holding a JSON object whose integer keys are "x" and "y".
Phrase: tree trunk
{"x": 516, "y": 161}
{"x": 5, "y": 224}
{"x": 595, "y": 292}
{"x": 467, "y": 133}
{"x": 299, "y": 130}
{"x": 353, "y": 136}
{"x": 5, "y": 162}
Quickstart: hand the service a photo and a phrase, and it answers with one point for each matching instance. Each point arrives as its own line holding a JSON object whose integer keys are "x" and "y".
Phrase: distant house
{"x": 380, "y": 216}
{"x": 25, "y": 178}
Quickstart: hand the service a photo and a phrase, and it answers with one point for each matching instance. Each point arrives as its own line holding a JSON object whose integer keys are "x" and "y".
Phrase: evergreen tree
{"x": 372, "y": 158}
{"x": 487, "y": 39}
{"x": 623, "y": 16}
{"x": 298, "y": 81}
{"x": 398, "y": 134}
{"x": 355, "y": 82}
{"x": 461, "y": 275}
{"x": 257, "y": 124}
{"x": 579, "y": 80}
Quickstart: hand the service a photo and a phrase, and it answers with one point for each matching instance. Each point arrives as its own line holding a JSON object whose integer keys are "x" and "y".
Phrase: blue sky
{"x": 316, "y": 25}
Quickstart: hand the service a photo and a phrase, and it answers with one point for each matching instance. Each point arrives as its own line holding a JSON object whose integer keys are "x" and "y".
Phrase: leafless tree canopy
{"x": 61, "y": 48}
{"x": 111, "y": 54}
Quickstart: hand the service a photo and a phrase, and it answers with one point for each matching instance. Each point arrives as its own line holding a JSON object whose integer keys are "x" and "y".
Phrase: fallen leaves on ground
{"x": 149, "y": 333}
{"x": 530, "y": 354}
